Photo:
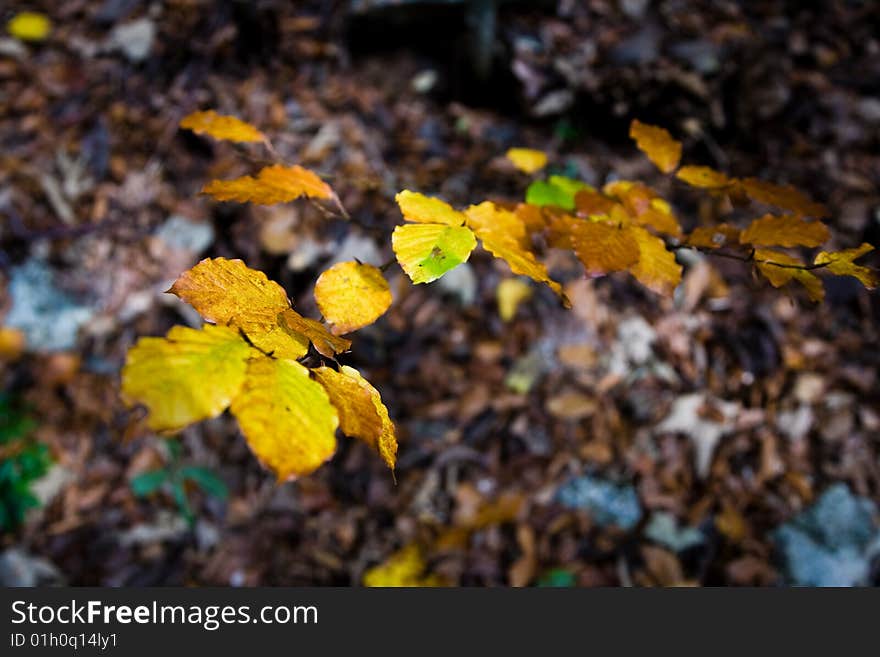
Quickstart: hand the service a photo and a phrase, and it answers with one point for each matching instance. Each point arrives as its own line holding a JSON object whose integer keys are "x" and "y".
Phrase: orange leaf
{"x": 657, "y": 144}
{"x": 656, "y": 268}
{"x": 841, "y": 263}
{"x": 274, "y": 184}
{"x": 786, "y": 230}
{"x": 361, "y": 411}
{"x": 703, "y": 177}
{"x": 532, "y": 217}
{"x": 504, "y": 236}
{"x": 603, "y": 247}
{"x": 645, "y": 206}
{"x": 325, "y": 342}
{"x": 352, "y": 295}
{"x": 218, "y": 126}
{"x": 782, "y": 196}
{"x": 780, "y": 268}
{"x": 589, "y": 202}
{"x": 713, "y": 237}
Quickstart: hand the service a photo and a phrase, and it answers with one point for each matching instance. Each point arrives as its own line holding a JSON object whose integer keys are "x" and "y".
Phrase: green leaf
{"x": 556, "y": 190}
{"x": 205, "y": 479}
{"x": 179, "y": 493}
{"x": 427, "y": 251}
{"x": 148, "y": 482}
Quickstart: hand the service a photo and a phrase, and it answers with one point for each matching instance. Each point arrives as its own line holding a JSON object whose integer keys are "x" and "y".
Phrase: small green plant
{"x": 23, "y": 461}
{"x": 174, "y": 476}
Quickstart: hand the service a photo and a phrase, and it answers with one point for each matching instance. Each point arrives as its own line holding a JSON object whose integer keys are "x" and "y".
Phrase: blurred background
{"x": 727, "y": 436}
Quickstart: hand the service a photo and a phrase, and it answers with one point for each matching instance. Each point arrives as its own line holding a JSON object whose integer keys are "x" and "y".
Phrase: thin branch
{"x": 749, "y": 258}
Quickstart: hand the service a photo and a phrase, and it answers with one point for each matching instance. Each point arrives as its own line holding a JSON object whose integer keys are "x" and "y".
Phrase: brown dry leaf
{"x": 603, "y": 247}
{"x": 657, "y": 144}
{"x": 325, "y": 342}
{"x": 286, "y": 417}
{"x": 656, "y": 268}
{"x": 504, "y": 236}
{"x": 841, "y": 263}
{"x": 785, "y": 230}
{"x": 571, "y": 406}
{"x": 713, "y": 237}
{"x": 703, "y": 177}
{"x": 527, "y": 160}
{"x": 780, "y": 275}
{"x": 219, "y": 126}
{"x": 782, "y": 196}
{"x": 274, "y": 184}
{"x": 427, "y": 210}
{"x": 361, "y": 411}
{"x": 352, "y": 295}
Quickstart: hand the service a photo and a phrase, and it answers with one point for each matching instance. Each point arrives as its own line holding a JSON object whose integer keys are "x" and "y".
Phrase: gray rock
{"x": 607, "y": 502}
{"x": 184, "y": 234}
{"x": 134, "y": 39}
{"x": 833, "y": 542}
{"x": 49, "y": 317}
{"x": 20, "y": 568}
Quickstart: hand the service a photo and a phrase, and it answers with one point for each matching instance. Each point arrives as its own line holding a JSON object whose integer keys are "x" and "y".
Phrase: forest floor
{"x": 727, "y": 436}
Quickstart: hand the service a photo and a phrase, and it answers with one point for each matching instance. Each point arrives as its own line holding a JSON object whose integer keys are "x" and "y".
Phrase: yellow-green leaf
{"x": 222, "y": 127}
{"x": 352, "y": 295}
{"x": 362, "y": 414}
{"x": 841, "y": 263}
{"x": 427, "y": 209}
{"x": 286, "y": 417}
{"x": 187, "y": 376}
{"x": 527, "y": 160}
{"x": 29, "y": 26}
{"x": 427, "y": 251}
{"x": 657, "y": 144}
{"x": 274, "y": 184}
{"x": 404, "y": 568}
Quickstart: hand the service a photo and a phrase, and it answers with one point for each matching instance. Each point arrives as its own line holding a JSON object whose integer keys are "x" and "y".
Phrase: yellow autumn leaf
{"x": 784, "y": 230}
{"x": 713, "y": 237}
{"x": 703, "y": 177}
{"x": 325, "y": 342}
{"x": 351, "y": 295}
{"x": 187, "y": 376}
{"x": 656, "y": 269}
{"x": 404, "y": 568}
{"x": 527, "y": 160}
{"x": 274, "y": 184}
{"x": 219, "y": 126}
{"x": 781, "y": 268}
{"x": 362, "y": 414}
{"x": 782, "y": 196}
{"x": 510, "y": 294}
{"x": 231, "y": 293}
{"x": 427, "y": 209}
{"x": 604, "y": 247}
{"x": 12, "y": 343}
{"x": 589, "y": 202}
{"x": 427, "y": 251}
{"x": 29, "y": 26}
{"x": 841, "y": 263}
{"x": 504, "y": 235}
{"x": 657, "y": 144}
{"x": 286, "y": 417}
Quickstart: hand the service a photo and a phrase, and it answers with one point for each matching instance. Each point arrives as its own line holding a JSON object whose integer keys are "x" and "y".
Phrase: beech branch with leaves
{"x": 247, "y": 358}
